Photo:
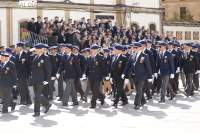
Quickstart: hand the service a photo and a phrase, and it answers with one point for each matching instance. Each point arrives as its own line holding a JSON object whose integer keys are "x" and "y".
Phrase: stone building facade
{"x": 123, "y": 12}
{"x": 182, "y": 19}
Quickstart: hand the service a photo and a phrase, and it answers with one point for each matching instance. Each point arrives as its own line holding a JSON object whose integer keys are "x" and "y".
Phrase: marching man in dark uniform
{"x": 191, "y": 66}
{"x": 23, "y": 72}
{"x": 95, "y": 72}
{"x": 117, "y": 68}
{"x": 40, "y": 77}
{"x": 60, "y": 76}
{"x": 55, "y": 59}
{"x": 140, "y": 66}
{"x": 81, "y": 60}
{"x": 196, "y": 75}
{"x": 70, "y": 64}
{"x": 166, "y": 71}
{"x": 177, "y": 54}
{"x": 8, "y": 79}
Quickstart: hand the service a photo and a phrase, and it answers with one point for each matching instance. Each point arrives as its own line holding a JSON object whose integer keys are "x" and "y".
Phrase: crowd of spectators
{"x": 85, "y": 32}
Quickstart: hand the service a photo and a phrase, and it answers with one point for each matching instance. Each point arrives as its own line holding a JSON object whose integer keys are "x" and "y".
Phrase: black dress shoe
{"x": 29, "y": 103}
{"x": 149, "y": 97}
{"x": 36, "y": 114}
{"x": 65, "y": 104}
{"x": 162, "y": 101}
{"x": 13, "y": 106}
{"x": 4, "y": 111}
{"x": 137, "y": 107}
{"x": 172, "y": 97}
{"x": 75, "y": 104}
{"x": 143, "y": 102}
{"x": 50, "y": 98}
{"x": 124, "y": 103}
{"x": 84, "y": 99}
{"x": 102, "y": 102}
{"x": 115, "y": 105}
{"x": 60, "y": 99}
{"x": 92, "y": 107}
{"x": 22, "y": 103}
{"x": 47, "y": 108}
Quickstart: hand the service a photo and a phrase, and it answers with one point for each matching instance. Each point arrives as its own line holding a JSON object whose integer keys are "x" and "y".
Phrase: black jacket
{"x": 8, "y": 75}
{"x": 41, "y": 69}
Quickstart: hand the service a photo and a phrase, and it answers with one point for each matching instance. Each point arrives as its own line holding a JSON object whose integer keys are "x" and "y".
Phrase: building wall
{"x": 107, "y": 2}
{"x": 172, "y": 8}
{"x": 19, "y": 15}
{"x": 181, "y": 31}
{"x": 144, "y": 3}
{"x": 81, "y": 1}
{"x": 77, "y": 15}
{"x": 52, "y": 0}
{"x": 3, "y": 27}
{"x": 52, "y": 13}
{"x": 143, "y": 19}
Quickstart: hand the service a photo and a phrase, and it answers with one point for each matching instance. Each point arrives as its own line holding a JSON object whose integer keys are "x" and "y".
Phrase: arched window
{"x": 152, "y": 27}
{"x": 23, "y": 32}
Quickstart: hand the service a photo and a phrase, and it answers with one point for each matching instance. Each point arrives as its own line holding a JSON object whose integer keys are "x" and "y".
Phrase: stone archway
{"x": 23, "y": 32}
{"x": 152, "y": 27}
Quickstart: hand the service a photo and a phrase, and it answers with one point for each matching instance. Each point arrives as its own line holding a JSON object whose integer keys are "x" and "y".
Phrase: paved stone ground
{"x": 182, "y": 115}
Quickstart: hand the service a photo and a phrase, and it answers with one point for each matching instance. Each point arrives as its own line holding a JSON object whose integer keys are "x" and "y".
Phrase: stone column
{"x": 121, "y": 15}
{"x": 9, "y": 20}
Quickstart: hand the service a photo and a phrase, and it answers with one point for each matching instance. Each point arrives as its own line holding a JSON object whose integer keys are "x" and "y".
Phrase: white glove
{"x": 178, "y": 70}
{"x": 15, "y": 86}
{"x": 32, "y": 49}
{"x": 126, "y": 81}
{"x": 155, "y": 75}
{"x": 122, "y": 76}
{"x": 107, "y": 78}
{"x": 197, "y": 72}
{"x": 45, "y": 83}
{"x": 111, "y": 80}
{"x": 57, "y": 75}
{"x": 83, "y": 77}
{"x": 53, "y": 78}
{"x": 159, "y": 71}
{"x": 171, "y": 76}
{"x": 150, "y": 80}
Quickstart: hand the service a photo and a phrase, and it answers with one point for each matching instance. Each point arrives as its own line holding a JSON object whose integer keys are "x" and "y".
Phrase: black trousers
{"x": 189, "y": 84}
{"x": 51, "y": 88}
{"x": 196, "y": 81}
{"x": 6, "y": 95}
{"x": 139, "y": 84}
{"x": 39, "y": 96}
{"x": 147, "y": 88}
{"x": 157, "y": 84}
{"x": 176, "y": 79}
{"x": 120, "y": 91}
{"x": 24, "y": 91}
{"x": 60, "y": 86}
{"x": 96, "y": 92}
{"x": 78, "y": 87}
{"x": 172, "y": 84}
